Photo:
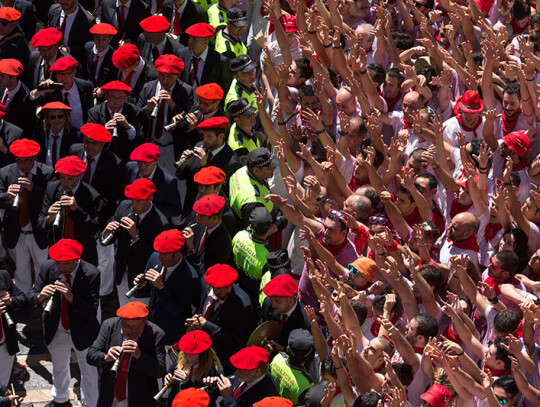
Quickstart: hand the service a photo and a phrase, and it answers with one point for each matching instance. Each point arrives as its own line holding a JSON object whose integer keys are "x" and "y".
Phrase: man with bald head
{"x": 399, "y": 119}
{"x": 461, "y": 238}
{"x": 359, "y": 207}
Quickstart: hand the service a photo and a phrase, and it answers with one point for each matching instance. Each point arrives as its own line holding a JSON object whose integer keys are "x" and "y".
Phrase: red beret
{"x": 220, "y": 275}
{"x": 209, "y": 205}
{"x": 23, "y": 148}
{"x": 146, "y": 152}
{"x": 273, "y": 402}
{"x": 209, "y": 176}
{"x": 250, "y": 358}
{"x": 170, "y": 64}
{"x": 195, "y": 342}
{"x": 191, "y": 397}
{"x": 11, "y": 66}
{"x": 46, "y": 37}
{"x": 63, "y": 64}
{"x": 169, "y": 241}
{"x": 210, "y": 91}
{"x": 70, "y": 165}
{"x": 140, "y": 189}
{"x": 281, "y": 286}
{"x": 125, "y": 56}
{"x": 133, "y": 310}
{"x": 9, "y": 14}
{"x": 56, "y": 106}
{"x": 116, "y": 85}
{"x": 201, "y": 30}
{"x": 2, "y": 110}
{"x": 103, "y": 28}
{"x": 155, "y": 24}
{"x": 96, "y": 132}
{"x": 65, "y": 250}
{"x": 518, "y": 142}
{"x": 218, "y": 122}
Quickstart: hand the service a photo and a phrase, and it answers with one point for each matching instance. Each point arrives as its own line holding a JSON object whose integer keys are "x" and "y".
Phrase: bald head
{"x": 412, "y": 100}
{"x": 358, "y": 206}
{"x": 345, "y": 101}
{"x": 463, "y": 226}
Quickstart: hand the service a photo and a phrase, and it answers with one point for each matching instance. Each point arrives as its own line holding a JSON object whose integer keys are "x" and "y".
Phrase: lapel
{"x": 208, "y": 65}
{"x": 78, "y": 280}
{"x": 116, "y": 335}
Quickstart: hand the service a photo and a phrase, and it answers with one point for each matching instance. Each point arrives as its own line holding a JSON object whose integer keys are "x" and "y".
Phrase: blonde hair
{"x": 207, "y": 360}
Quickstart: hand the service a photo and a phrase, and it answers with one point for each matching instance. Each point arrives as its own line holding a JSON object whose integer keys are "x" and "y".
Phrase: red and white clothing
{"x": 453, "y": 125}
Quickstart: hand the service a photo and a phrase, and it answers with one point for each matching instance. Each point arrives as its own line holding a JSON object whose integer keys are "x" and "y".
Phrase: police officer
{"x": 244, "y": 73}
{"x": 277, "y": 262}
{"x": 229, "y": 38}
{"x": 242, "y": 138}
{"x": 217, "y": 13}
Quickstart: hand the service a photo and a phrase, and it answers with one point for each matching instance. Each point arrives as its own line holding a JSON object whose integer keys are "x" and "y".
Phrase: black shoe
{"x": 55, "y": 404}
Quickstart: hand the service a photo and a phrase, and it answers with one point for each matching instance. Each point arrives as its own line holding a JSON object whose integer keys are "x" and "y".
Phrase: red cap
{"x": 116, "y": 85}
{"x": 201, "y": 30}
{"x": 24, "y": 148}
{"x": 209, "y": 176}
{"x": 288, "y": 22}
{"x": 169, "y": 241}
{"x": 250, "y": 358}
{"x": 96, "y": 132}
{"x": 220, "y": 276}
{"x": 195, "y": 342}
{"x": 63, "y": 64}
{"x": 2, "y": 110}
{"x": 155, "y": 24}
{"x": 210, "y": 91}
{"x": 170, "y": 64}
{"x": 273, "y": 402}
{"x": 209, "y": 205}
{"x": 9, "y": 14}
{"x": 140, "y": 189}
{"x": 46, "y": 37}
{"x": 11, "y": 66}
{"x": 133, "y": 310}
{"x": 70, "y": 165}
{"x": 56, "y": 106}
{"x": 191, "y": 397}
{"x": 437, "y": 396}
{"x": 146, "y": 152}
{"x": 470, "y": 102}
{"x": 103, "y": 28}
{"x": 281, "y": 286}
{"x": 65, "y": 250}
{"x": 518, "y": 142}
{"x": 125, "y": 56}
{"x": 219, "y": 122}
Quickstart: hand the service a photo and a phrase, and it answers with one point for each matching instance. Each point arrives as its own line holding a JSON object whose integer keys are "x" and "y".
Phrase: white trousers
{"x": 60, "y": 350}
{"x": 25, "y": 254}
{"x": 6, "y": 363}
{"x": 123, "y": 288}
{"x": 106, "y": 268}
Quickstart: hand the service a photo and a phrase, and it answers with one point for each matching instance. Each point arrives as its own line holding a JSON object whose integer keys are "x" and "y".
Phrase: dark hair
{"x": 473, "y": 148}
{"x": 379, "y": 72}
{"x": 516, "y": 178}
{"x": 521, "y": 246}
{"x": 502, "y": 354}
{"x": 506, "y": 321}
{"x": 334, "y": 218}
{"x": 368, "y": 399}
{"x": 430, "y": 4}
{"x": 509, "y": 260}
{"x": 379, "y": 157}
{"x": 432, "y": 179}
{"x": 360, "y": 310}
{"x": 513, "y": 88}
{"x": 478, "y": 58}
{"x": 328, "y": 366}
{"x": 403, "y": 41}
{"x": 407, "y": 192}
{"x": 521, "y": 9}
{"x": 535, "y": 19}
{"x": 404, "y": 373}
{"x": 380, "y": 299}
{"x": 417, "y": 155}
{"x": 370, "y": 193}
{"x": 469, "y": 304}
{"x": 431, "y": 231}
{"x": 508, "y": 384}
{"x": 357, "y": 124}
{"x": 428, "y": 326}
{"x": 306, "y": 71}
{"x": 396, "y": 73}
{"x": 432, "y": 274}
{"x": 306, "y": 90}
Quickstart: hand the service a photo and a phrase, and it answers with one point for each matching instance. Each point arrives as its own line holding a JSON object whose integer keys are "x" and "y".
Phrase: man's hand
{"x": 155, "y": 278}
{"x": 196, "y": 322}
{"x": 13, "y": 190}
{"x": 201, "y": 155}
{"x": 25, "y": 183}
{"x": 46, "y": 292}
{"x": 276, "y": 199}
{"x": 70, "y": 201}
{"x": 111, "y": 227}
{"x": 166, "y": 96}
{"x": 189, "y": 237}
{"x": 224, "y": 386}
{"x": 131, "y": 227}
{"x": 5, "y": 297}
{"x": 121, "y": 120}
{"x": 132, "y": 347}
{"x": 113, "y": 353}
{"x": 65, "y": 289}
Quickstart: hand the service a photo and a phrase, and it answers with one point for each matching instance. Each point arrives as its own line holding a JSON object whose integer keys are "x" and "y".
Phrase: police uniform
{"x": 240, "y": 141}
{"x": 225, "y": 43}
{"x": 205, "y": 4}
{"x": 238, "y": 90}
{"x": 217, "y": 15}
{"x": 277, "y": 262}
{"x": 244, "y": 188}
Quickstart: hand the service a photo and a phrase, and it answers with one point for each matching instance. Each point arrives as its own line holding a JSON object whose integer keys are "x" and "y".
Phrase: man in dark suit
{"x": 283, "y": 305}
{"x": 182, "y": 14}
{"x": 8, "y": 134}
{"x": 174, "y": 285}
{"x": 145, "y": 165}
{"x": 74, "y": 22}
{"x": 135, "y": 225}
{"x": 73, "y": 287}
{"x": 13, "y": 43}
{"x": 203, "y": 64}
{"x": 24, "y": 181}
{"x": 225, "y": 313}
{"x": 70, "y": 207}
{"x": 11, "y": 299}
{"x": 154, "y": 41}
{"x": 97, "y": 62}
{"x": 133, "y": 69}
{"x": 27, "y": 22}
{"x": 121, "y": 118}
{"x": 125, "y": 18}
{"x": 139, "y": 344}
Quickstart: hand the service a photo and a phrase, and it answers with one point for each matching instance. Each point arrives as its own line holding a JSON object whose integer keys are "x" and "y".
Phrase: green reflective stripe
{"x": 242, "y": 191}
{"x": 291, "y": 382}
{"x": 248, "y": 255}
{"x": 235, "y": 144}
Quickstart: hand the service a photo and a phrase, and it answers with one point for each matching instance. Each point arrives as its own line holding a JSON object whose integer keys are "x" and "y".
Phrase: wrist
{"x": 494, "y": 300}
{"x": 327, "y": 46}
{"x": 461, "y": 353}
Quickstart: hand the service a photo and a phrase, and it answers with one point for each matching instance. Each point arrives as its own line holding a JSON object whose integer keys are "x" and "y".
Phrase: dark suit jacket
{"x": 67, "y": 141}
{"x": 297, "y": 320}
{"x": 230, "y": 325}
{"x": 133, "y": 256}
{"x": 86, "y": 94}
{"x": 171, "y": 306}
{"x": 107, "y": 71}
{"x": 193, "y": 14}
{"x": 148, "y": 74}
{"x": 217, "y": 68}
{"x": 32, "y": 73}
{"x": 121, "y": 146}
{"x": 143, "y": 372}
{"x": 9, "y": 133}
{"x": 20, "y": 111}
{"x": 167, "y": 197}
{"x": 138, "y": 11}
{"x": 145, "y": 48}
{"x": 14, "y": 45}
{"x": 27, "y": 22}
{"x": 8, "y": 176}
{"x": 79, "y": 33}
{"x": 216, "y": 249}
{"x": 82, "y": 312}
{"x": 265, "y": 388}
{"x": 106, "y": 180}
{"x": 18, "y": 301}
{"x": 84, "y": 218}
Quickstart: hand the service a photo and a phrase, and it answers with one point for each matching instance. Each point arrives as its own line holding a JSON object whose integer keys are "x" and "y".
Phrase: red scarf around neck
{"x": 355, "y": 184}
{"x": 470, "y": 244}
{"x": 391, "y": 102}
{"x": 456, "y": 208}
{"x": 448, "y": 333}
{"x": 376, "y": 326}
{"x": 498, "y": 373}
{"x": 491, "y": 230}
{"x": 518, "y": 30}
{"x": 496, "y": 284}
{"x": 335, "y": 250}
{"x": 508, "y": 125}
{"x": 418, "y": 349}
{"x": 407, "y": 124}
{"x": 478, "y": 123}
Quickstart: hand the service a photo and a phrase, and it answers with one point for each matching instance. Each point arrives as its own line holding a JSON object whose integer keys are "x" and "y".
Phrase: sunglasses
{"x": 378, "y": 219}
{"x": 502, "y": 400}
{"x": 337, "y": 214}
{"x": 354, "y": 271}
{"x": 493, "y": 266}
{"x": 54, "y": 116}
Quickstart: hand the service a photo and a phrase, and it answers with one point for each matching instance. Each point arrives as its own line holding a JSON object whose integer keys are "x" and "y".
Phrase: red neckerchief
{"x": 485, "y": 5}
{"x": 448, "y": 333}
{"x": 413, "y": 218}
{"x": 478, "y": 123}
{"x": 376, "y": 326}
{"x": 335, "y": 250}
{"x": 456, "y": 208}
{"x": 491, "y": 231}
{"x": 518, "y": 30}
{"x": 418, "y": 349}
{"x": 438, "y": 218}
{"x": 520, "y": 165}
{"x": 379, "y": 369}
{"x": 355, "y": 184}
{"x": 498, "y": 373}
{"x": 470, "y": 244}
{"x": 445, "y": 46}
{"x": 496, "y": 284}
{"x": 407, "y": 124}
{"x": 391, "y": 103}
{"x": 363, "y": 287}
{"x": 508, "y": 125}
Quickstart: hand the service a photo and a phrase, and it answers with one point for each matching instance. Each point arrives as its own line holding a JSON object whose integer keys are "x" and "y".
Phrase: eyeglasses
{"x": 493, "y": 266}
{"x": 54, "y": 116}
{"x": 502, "y": 400}
{"x": 337, "y": 214}
{"x": 378, "y": 219}
{"x": 427, "y": 227}
{"x": 354, "y": 271}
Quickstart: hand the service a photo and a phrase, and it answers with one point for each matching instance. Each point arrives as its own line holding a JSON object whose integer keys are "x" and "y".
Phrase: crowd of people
{"x": 273, "y": 202}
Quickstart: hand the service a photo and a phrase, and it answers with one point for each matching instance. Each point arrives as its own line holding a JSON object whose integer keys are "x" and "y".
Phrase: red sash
{"x": 470, "y": 244}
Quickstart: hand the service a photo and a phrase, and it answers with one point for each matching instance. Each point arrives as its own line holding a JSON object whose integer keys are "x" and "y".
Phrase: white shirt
{"x": 50, "y": 142}
{"x": 116, "y": 17}
{"x": 100, "y": 60}
{"x": 136, "y": 73}
{"x": 74, "y": 99}
{"x": 200, "y": 67}
{"x": 70, "y": 18}
{"x": 452, "y": 126}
